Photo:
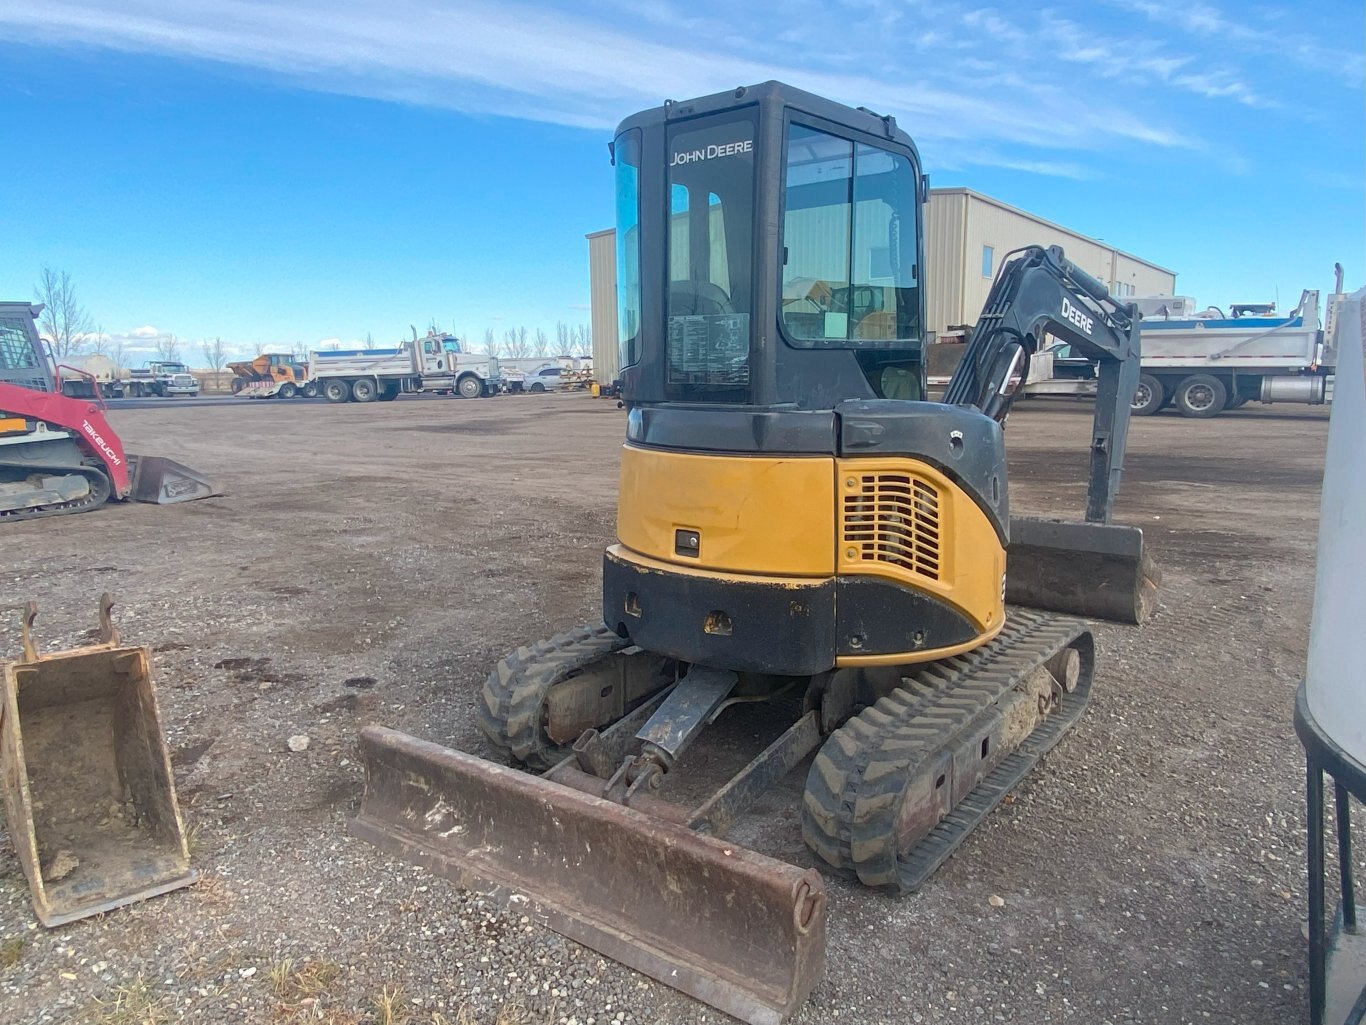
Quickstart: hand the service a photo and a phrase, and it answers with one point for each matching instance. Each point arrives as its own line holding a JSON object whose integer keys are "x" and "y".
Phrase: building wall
{"x": 602, "y": 279}
{"x": 960, "y": 222}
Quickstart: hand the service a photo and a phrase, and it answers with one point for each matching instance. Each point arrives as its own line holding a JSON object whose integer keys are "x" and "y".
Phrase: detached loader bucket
{"x": 162, "y": 481}
{"x": 88, "y": 789}
{"x": 1083, "y": 569}
{"x": 735, "y": 929}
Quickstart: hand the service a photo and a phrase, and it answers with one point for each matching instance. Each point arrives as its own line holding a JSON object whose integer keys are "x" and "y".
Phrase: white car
{"x": 545, "y": 379}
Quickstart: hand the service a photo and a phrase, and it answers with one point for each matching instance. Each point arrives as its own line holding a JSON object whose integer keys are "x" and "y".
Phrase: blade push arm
{"x": 1039, "y": 291}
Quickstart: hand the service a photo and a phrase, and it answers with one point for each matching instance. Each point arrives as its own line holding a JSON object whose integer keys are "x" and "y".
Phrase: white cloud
{"x": 147, "y": 331}
{"x": 1021, "y": 82}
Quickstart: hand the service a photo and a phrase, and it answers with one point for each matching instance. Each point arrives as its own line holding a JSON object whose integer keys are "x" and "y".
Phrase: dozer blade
{"x": 1082, "y": 569}
{"x": 163, "y": 481}
{"x": 88, "y": 789}
{"x": 740, "y": 931}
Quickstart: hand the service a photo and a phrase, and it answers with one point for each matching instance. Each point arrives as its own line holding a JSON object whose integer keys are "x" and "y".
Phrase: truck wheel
{"x": 236, "y": 386}
{"x": 363, "y": 389}
{"x": 310, "y": 390}
{"x": 337, "y": 390}
{"x": 1149, "y": 396}
{"x": 470, "y": 387}
{"x": 389, "y": 390}
{"x": 1201, "y": 396}
{"x": 288, "y": 391}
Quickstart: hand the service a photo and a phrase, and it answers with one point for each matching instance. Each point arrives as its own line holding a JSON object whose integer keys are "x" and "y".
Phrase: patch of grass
{"x": 391, "y": 1007}
{"x": 134, "y": 1003}
{"x": 513, "y": 1014}
{"x": 10, "y": 951}
{"x": 310, "y": 979}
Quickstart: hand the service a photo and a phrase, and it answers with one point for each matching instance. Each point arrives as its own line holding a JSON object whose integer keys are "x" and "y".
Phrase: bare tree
{"x": 118, "y": 353}
{"x": 215, "y": 355}
{"x": 517, "y": 347}
{"x": 583, "y": 340}
{"x": 99, "y": 342}
{"x": 491, "y": 345}
{"x": 542, "y": 345}
{"x": 168, "y": 349}
{"x": 64, "y": 321}
{"x": 260, "y": 347}
{"x": 522, "y": 342}
{"x": 562, "y": 347}
{"x": 369, "y": 341}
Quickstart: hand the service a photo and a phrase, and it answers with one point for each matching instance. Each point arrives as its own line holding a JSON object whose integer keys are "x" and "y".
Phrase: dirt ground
{"x": 371, "y": 563}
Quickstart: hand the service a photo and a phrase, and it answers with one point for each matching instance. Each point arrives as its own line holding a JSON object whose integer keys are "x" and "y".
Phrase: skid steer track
{"x": 918, "y": 752}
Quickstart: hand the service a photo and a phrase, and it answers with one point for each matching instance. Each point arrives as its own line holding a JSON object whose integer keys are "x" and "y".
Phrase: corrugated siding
{"x": 602, "y": 278}
{"x": 943, "y": 272}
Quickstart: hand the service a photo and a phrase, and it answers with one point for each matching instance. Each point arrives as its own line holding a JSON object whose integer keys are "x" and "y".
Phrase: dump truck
{"x": 436, "y": 363}
{"x": 799, "y": 532}
{"x": 271, "y": 375}
{"x": 60, "y": 455}
{"x": 1205, "y": 361}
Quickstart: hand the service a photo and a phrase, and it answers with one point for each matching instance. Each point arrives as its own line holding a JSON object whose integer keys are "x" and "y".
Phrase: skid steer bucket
{"x": 1084, "y": 569}
{"x": 733, "y": 928}
{"x": 88, "y": 790}
{"x": 163, "y": 481}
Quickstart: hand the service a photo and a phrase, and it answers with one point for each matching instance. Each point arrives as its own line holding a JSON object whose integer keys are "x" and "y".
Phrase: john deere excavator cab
{"x": 797, "y": 527}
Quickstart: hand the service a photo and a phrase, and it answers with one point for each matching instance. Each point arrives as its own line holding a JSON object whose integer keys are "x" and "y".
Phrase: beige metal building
{"x": 967, "y": 235}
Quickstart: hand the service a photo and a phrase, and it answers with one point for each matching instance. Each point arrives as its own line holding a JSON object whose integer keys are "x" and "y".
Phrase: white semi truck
{"x": 435, "y": 363}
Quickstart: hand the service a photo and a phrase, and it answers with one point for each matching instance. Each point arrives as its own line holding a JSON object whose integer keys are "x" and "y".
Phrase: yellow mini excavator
{"x": 800, "y": 528}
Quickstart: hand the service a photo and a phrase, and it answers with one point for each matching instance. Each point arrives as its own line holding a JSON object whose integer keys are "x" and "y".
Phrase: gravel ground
{"x": 370, "y": 564}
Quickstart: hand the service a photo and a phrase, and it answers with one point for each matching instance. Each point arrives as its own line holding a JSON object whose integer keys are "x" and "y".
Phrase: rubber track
{"x": 100, "y": 489}
{"x": 510, "y": 713}
{"x": 850, "y": 805}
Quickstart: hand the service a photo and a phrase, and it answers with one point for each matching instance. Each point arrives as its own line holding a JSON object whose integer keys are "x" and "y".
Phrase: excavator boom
{"x": 1091, "y": 568}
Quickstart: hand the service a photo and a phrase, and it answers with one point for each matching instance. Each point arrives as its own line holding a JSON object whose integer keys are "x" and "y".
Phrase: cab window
{"x": 850, "y": 278}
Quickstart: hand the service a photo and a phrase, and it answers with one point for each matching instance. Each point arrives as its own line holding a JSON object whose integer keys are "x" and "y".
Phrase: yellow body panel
{"x": 767, "y": 518}
{"x": 10, "y": 424}
{"x": 904, "y": 520}
{"x": 752, "y": 514}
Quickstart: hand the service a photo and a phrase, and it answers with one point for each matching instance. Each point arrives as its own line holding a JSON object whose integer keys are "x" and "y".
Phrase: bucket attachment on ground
{"x": 88, "y": 789}
{"x": 1085, "y": 569}
{"x": 163, "y": 481}
{"x": 731, "y": 927}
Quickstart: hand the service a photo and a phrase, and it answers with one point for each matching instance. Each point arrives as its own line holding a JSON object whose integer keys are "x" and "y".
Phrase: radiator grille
{"x": 892, "y": 518}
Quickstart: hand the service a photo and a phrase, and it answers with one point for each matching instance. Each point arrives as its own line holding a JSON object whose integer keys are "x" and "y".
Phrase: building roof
{"x": 982, "y": 197}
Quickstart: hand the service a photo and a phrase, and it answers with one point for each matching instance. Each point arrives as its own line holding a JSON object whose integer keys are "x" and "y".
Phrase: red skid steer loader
{"x": 58, "y": 454}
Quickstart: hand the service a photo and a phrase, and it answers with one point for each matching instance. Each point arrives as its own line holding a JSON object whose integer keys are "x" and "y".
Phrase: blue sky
{"x": 290, "y": 173}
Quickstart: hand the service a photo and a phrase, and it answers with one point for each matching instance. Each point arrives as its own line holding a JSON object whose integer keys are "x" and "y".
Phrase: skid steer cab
{"x": 798, "y": 529}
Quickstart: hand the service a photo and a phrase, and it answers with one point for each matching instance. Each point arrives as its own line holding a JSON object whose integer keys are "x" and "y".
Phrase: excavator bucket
{"x": 1084, "y": 569}
{"x": 162, "y": 481}
{"x": 88, "y": 789}
{"x": 733, "y": 928}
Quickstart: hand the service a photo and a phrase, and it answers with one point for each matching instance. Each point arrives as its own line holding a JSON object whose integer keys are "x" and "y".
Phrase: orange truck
{"x": 272, "y": 374}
